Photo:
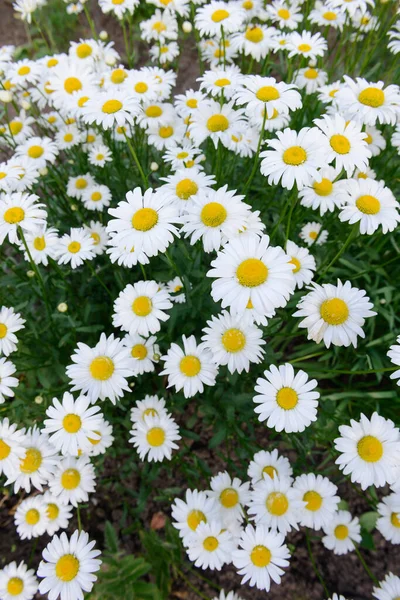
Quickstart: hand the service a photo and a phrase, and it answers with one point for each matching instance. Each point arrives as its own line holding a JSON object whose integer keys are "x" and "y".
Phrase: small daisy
{"x": 99, "y": 235}
{"x": 375, "y": 140}
{"x": 303, "y": 264}
{"x": 367, "y": 102}
{"x": 230, "y": 495}
{"x": 184, "y": 155}
{"x": 285, "y": 15}
{"x": 191, "y": 368}
{"x": 39, "y": 151}
{"x": 17, "y": 582}
{"x": 58, "y": 514}
{"x": 124, "y": 253}
{"x": 211, "y": 547}
{"x": 268, "y": 94}
{"x": 228, "y": 596}
{"x": 305, "y": 44}
{"x": 141, "y": 307}
{"x": 96, "y": 196}
{"x": 311, "y": 233}
{"x": 261, "y": 557}
{"x": 10, "y": 323}
{"x": 369, "y": 203}
{"x": 210, "y": 18}
{"x": 388, "y": 523}
{"x": 152, "y": 406}
{"x": 189, "y": 513}
{"x": 310, "y": 79}
{"x": 323, "y": 194}
{"x": 294, "y": 157}
{"x": 325, "y": 16}
{"x": 99, "y": 154}
{"x": 143, "y": 352}
{"x": 154, "y": 437}
{"x": 161, "y": 26}
{"x": 68, "y": 137}
{"x": 42, "y": 243}
{"x": 394, "y": 355}
{"x": 254, "y": 41}
{"x": 68, "y": 566}
{"x": 249, "y": 269}
{"x": 212, "y": 120}
{"x": 165, "y": 53}
{"x": 287, "y": 401}
{"x": 342, "y": 533}
{"x": 74, "y": 479}
{"x": 166, "y": 135}
{"x": 155, "y": 114}
{"x": 12, "y": 448}
{"x": 327, "y": 93}
{"x": 274, "y": 503}
{"x": 269, "y": 465}
{"x": 7, "y": 369}
{"x": 31, "y": 518}
{"x": 75, "y": 247}
{"x": 20, "y": 209}
{"x": 221, "y": 81}
{"x": 369, "y": 450}
{"x": 118, "y": 8}
{"x": 110, "y": 108}
{"x": 103, "y": 440}
{"x": 185, "y": 185}
{"x": 101, "y": 372}
{"x": 319, "y": 494}
{"x": 77, "y": 185}
{"x": 334, "y": 314}
{"x": 234, "y": 341}
{"x": 389, "y": 588}
{"x": 174, "y": 288}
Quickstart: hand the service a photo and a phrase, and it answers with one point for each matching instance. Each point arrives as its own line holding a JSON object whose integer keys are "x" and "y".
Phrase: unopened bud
{"x": 187, "y": 26}
{"x": 62, "y": 307}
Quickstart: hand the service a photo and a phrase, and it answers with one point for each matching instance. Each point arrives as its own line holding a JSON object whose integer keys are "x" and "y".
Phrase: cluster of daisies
{"x": 246, "y": 523}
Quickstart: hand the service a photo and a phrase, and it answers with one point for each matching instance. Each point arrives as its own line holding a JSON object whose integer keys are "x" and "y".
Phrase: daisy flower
{"x": 234, "y": 341}
{"x": 142, "y": 85}
{"x": 110, "y": 108}
{"x": 118, "y": 8}
{"x": 77, "y": 185}
{"x": 12, "y": 449}
{"x": 211, "y": 547}
{"x": 389, "y": 588}
{"x": 189, "y": 513}
{"x": 369, "y": 450}
{"x": 152, "y": 406}
{"x": 305, "y": 44}
{"x": 342, "y": 533}
{"x": 254, "y": 41}
{"x": 187, "y": 102}
{"x": 295, "y": 157}
{"x": 210, "y": 18}
{"x": 319, "y": 495}
{"x": 184, "y": 155}
{"x": 42, "y": 243}
{"x": 369, "y": 203}
{"x": 323, "y": 194}
{"x": 303, "y": 264}
{"x": 75, "y": 247}
{"x": 174, "y": 288}
{"x": 139, "y": 308}
{"x": 7, "y": 369}
{"x": 274, "y": 503}
{"x": 324, "y": 15}
{"x": 20, "y": 209}
{"x": 9, "y": 176}
{"x": 310, "y": 79}
{"x": 145, "y": 221}
{"x": 261, "y": 557}
{"x": 394, "y": 355}
{"x": 327, "y": 93}
{"x": 103, "y": 440}
{"x": 189, "y": 369}
{"x": 70, "y": 423}
{"x": 143, "y": 352}
{"x": 68, "y": 566}
{"x": 185, "y": 185}
{"x": 68, "y": 137}
{"x": 230, "y": 495}
{"x": 58, "y": 514}
{"x": 214, "y": 216}
{"x": 10, "y": 323}
{"x": 23, "y": 73}
{"x": 166, "y": 135}
{"x": 351, "y": 6}
{"x": 334, "y": 314}
{"x": 155, "y": 114}
{"x": 17, "y": 582}
{"x": 73, "y": 480}
{"x": 100, "y": 372}
{"x": 228, "y": 596}
{"x": 212, "y": 120}
{"x": 161, "y": 26}
{"x": 165, "y": 53}
{"x": 96, "y": 196}
{"x": 249, "y": 269}
{"x": 375, "y": 140}
{"x": 269, "y": 465}
{"x": 285, "y": 15}
{"x": 68, "y": 78}
{"x": 368, "y": 102}
{"x": 154, "y": 437}
{"x": 20, "y": 127}
{"x": 30, "y": 518}
{"x": 99, "y": 235}
{"x": 268, "y": 94}
{"x": 286, "y": 400}
{"x": 311, "y": 232}
{"x": 388, "y": 523}
{"x": 218, "y": 81}
{"x": 39, "y": 151}
{"x": 99, "y": 155}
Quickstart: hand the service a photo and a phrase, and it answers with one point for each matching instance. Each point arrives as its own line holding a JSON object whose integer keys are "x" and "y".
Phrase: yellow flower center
{"x": 15, "y": 127}
{"x": 159, "y": 26}
{"x": 213, "y": 214}
{"x": 145, "y": 219}
{"x": 370, "y": 449}
{"x": 210, "y": 543}
{"x": 395, "y": 520}
{"x": 341, "y": 532}
{"x": 252, "y": 272}
{"x": 190, "y": 365}
{"x": 32, "y": 516}
{"x": 233, "y": 340}
{"x": 323, "y": 187}
{"x": 72, "y": 423}
{"x": 372, "y": 96}
{"x": 247, "y": 4}
{"x": 340, "y": 144}
{"x": 25, "y": 70}
{"x": 14, "y": 215}
{"x": 182, "y": 155}
{"x": 369, "y": 205}
{"x": 72, "y": 84}
{"x": 74, "y": 247}
{"x": 313, "y": 499}
{"x": 217, "y": 123}
{"x": 67, "y": 567}
{"x": 70, "y": 479}
{"x": 153, "y": 111}
{"x": 191, "y": 103}
{"x": 142, "y": 306}
{"x": 219, "y": 15}
{"x": 283, "y": 13}
{"x": 270, "y": 471}
{"x": 194, "y": 518}
{"x": 311, "y": 74}
{"x": 68, "y": 137}
{"x": 222, "y": 82}
{"x": 52, "y": 62}
{"x": 118, "y": 76}
{"x": 81, "y": 102}
{"x": 139, "y": 351}
{"x": 31, "y": 462}
{"x": 313, "y": 235}
{"x": 294, "y": 156}
{"x": 334, "y": 311}
{"x": 254, "y": 34}
{"x": 329, "y": 15}
{"x": 277, "y": 504}
{"x": 5, "y": 449}
{"x": 297, "y": 266}
{"x": 111, "y": 106}
{"x": 52, "y": 511}
{"x": 99, "y": 156}
{"x": 101, "y": 368}
{"x": 83, "y": 50}
{"x": 260, "y": 556}
{"x": 96, "y": 196}
{"x": 165, "y": 132}
{"x": 155, "y": 436}
{"x": 117, "y": 2}
{"x": 229, "y": 498}
{"x": 35, "y": 151}
{"x": 287, "y": 398}
{"x": 267, "y": 93}
{"x": 81, "y": 183}
{"x": 368, "y": 139}
{"x": 15, "y": 586}
{"x": 186, "y": 188}
{"x": 150, "y": 412}
{"x": 304, "y": 47}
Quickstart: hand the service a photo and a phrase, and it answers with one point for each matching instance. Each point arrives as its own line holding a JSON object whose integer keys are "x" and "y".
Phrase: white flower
{"x": 342, "y": 533}
{"x": 151, "y": 406}
{"x": 189, "y": 513}
{"x": 73, "y": 480}
{"x": 110, "y": 108}
{"x": 96, "y": 196}
{"x": 303, "y": 264}
{"x": 210, "y": 119}
{"x": 161, "y": 26}
{"x": 119, "y": 9}
{"x": 142, "y": 351}
{"x": 20, "y": 210}
{"x": 75, "y": 247}
{"x": 99, "y": 154}
{"x": 319, "y": 494}
{"x": 211, "y": 547}
{"x": 210, "y": 18}
{"x": 305, "y": 44}
{"x": 12, "y": 449}
{"x": 230, "y": 495}
{"x": 311, "y": 232}
{"x": 389, "y": 588}
{"x": 185, "y": 185}
{"x": 42, "y": 243}
{"x": 58, "y": 514}
{"x": 274, "y": 503}
{"x": 38, "y": 150}
{"x": 367, "y": 102}
{"x": 388, "y": 523}
{"x": 269, "y": 465}
{"x": 10, "y": 323}
{"x": 322, "y": 194}
{"x": 267, "y": 94}
{"x": 218, "y": 81}
{"x": 31, "y": 518}
{"x": 287, "y": 16}
{"x": 7, "y": 369}
{"x": 154, "y": 437}
{"x": 254, "y": 41}
{"x": 17, "y": 582}
{"x": 310, "y": 79}
{"x": 394, "y": 355}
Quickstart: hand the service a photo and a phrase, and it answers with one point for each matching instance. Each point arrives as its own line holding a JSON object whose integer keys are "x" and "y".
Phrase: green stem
{"x": 90, "y": 21}
{"x": 33, "y": 550}
{"x": 78, "y": 514}
{"x": 135, "y": 158}
{"x": 289, "y": 221}
{"x": 255, "y": 164}
{"x": 99, "y": 279}
{"x": 350, "y": 237}
{"x": 126, "y": 42}
{"x": 37, "y": 273}
{"x": 365, "y": 566}
{"x": 315, "y": 567}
